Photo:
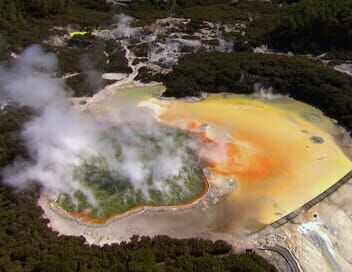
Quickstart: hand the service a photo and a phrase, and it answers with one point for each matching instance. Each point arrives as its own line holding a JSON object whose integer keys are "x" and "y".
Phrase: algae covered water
{"x": 161, "y": 168}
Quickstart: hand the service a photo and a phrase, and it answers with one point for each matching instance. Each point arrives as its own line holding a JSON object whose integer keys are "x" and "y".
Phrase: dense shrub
{"x": 27, "y": 244}
{"x": 24, "y": 22}
{"x": 11, "y": 145}
{"x": 87, "y": 57}
{"x": 315, "y": 26}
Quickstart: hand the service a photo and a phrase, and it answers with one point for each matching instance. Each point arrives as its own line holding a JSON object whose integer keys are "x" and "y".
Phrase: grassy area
{"x": 114, "y": 193}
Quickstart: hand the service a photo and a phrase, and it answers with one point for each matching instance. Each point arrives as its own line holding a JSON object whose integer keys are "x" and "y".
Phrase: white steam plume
{"x": 124, "y": 29}
{"x": 59, "y": 139}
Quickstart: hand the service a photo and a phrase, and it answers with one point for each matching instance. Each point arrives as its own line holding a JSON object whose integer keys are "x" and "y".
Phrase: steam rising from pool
{"x": 59, "y": 139}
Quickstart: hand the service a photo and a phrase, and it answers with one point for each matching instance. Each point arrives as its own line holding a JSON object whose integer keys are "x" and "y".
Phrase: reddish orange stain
{"x": 192, "y": 125}
{"x": 227, "y": 159}
{"x": 224, "y": 158}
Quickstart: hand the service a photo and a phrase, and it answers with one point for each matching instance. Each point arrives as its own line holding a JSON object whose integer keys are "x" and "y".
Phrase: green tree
{"x": 315, "y": 26}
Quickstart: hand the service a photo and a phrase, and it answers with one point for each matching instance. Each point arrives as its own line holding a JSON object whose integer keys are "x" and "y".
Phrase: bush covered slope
{"x": 26, "y": 244}
{"x": 23, "y": 22}
{"x": 11, "y": 144}
{"x": 316, "y": 26}
{"x": 303, "y": 79}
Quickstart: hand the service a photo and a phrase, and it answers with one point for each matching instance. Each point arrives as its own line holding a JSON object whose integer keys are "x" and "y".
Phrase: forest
{"x": 23, "y": 22}
{"x": 303, "y": 79}
{"x": 315, "y": 26}
{"x": 14, "y": 11}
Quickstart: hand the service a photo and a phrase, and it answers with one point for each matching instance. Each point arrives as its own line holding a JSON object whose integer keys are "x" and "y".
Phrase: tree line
{"x": 12, "y": 11}
{"x": 315, "y": 26}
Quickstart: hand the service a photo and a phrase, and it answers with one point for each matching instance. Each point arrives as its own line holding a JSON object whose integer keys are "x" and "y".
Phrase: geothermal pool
{"x": 280, "y": 152}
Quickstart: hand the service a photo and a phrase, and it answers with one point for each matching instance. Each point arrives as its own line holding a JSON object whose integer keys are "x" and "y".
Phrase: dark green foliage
{"x": 13, "y": 10}
{"x": 338, "y": 56}
{"x": 26, "y": 244}
{"x": 285, "y": 1}
{"x": 265, "y": 16}
{"x": 247, "y": 262}
{"x": 80, "y": 85}
{"x": 11, "y": 119}
{"x": 210, "y": 263}
{"x": 4, "y": 50}
{"x": 259, "y": 17}
{"x": 305, "y": 80}
{"x": 141, "y": 50}
{"x": 24, "y": 22}
{"x": 145, "y": 75}
{"x": 311, "y": 26}
{"x": 86, "y": 57}
{"x": 316, "y": 26}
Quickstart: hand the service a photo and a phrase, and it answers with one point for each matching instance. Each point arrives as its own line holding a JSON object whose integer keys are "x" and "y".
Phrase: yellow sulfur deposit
{"x": 282, "y": 153}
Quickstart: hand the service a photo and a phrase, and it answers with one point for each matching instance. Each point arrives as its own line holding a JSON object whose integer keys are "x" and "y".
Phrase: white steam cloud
{"x": 59, "y": 139}
{"x": 124, "y": 29}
